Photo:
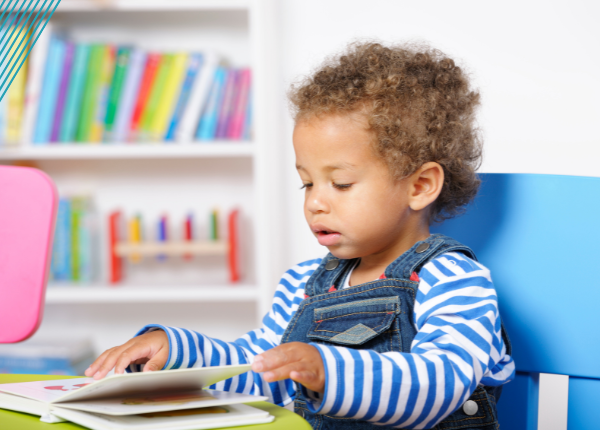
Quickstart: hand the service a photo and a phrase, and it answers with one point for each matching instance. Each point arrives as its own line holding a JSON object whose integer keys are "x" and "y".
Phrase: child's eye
{"x": 341, "y": 186}
{"x": 306, "y": 186}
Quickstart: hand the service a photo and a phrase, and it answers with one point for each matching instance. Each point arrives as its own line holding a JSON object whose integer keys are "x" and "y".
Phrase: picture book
{"x": 131, "y": 86}
{"x": 169, "y": 399}
{"x": 74, "y": 93}
{"x": 62, "y": 91}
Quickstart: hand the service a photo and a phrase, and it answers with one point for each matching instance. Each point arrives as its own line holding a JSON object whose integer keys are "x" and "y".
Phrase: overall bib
{"x": 378, "y": 315}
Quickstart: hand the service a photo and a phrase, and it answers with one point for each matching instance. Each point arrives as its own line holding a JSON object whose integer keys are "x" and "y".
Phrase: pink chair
{"x": 28, "y": 204}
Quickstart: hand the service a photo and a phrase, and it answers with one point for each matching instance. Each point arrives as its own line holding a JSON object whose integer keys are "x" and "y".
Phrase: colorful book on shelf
{"x": 90, "y": 93}
{"x": 150, "y": 69}
{"x": 155, "y": 97}
{"x": 131, "y": 86}
{"x": 16, "y": 92}
{"x": 238, "y": 117}
{"x": 75, "y": 91}
{"x": 168, "y": 98}
{"x": 116, "y": 90}
{"x": 33, "y": 88}
{"x": 76, "y": 227}
{"x": 193, "y": 67}
{"x": 225, "y": 109}
{"x": 199, "y": 94}
{"x": 62, "y": 91}
{"x": 50, "y": 87}
{"x": 169, "y": 399}
{"x": 61, "y": 250}
{"x": 106, "y": 72}
{"x": 208, "y": 122}
{"x": 247, "y": 130}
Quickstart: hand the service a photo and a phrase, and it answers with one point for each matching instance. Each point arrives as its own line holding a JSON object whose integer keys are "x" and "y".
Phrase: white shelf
{"x": 151, "y": 294}
{"x": 222, "y": 149}
{"x": 150, "y": 5}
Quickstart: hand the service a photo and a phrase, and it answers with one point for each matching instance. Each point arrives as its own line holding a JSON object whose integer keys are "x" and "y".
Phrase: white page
{"x": 142, "y": 404}
{"x": 232, "y": 415}
{"x": 55, "y": 391}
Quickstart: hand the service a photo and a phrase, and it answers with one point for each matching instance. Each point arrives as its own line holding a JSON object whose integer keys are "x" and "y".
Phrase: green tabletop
{"x": 284, "y": 419}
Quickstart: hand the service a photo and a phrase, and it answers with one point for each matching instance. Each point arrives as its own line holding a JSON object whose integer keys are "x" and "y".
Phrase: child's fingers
{"x": 158, "y": 362}
{"x": 90, "y": 371}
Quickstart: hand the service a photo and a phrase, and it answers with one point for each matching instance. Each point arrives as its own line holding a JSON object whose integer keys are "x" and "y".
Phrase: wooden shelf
{"x": 222, "y": 149}
{"x": 89, "y": 294}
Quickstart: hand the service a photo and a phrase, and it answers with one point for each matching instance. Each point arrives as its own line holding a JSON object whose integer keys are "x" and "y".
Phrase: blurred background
{"x": 166, "y": 128}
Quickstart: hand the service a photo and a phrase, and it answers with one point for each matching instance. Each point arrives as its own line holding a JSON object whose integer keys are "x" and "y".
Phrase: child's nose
{"x": 316, "y": 202}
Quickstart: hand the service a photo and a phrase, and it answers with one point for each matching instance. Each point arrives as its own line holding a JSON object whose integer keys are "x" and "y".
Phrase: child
{"x": 395, "y": 326}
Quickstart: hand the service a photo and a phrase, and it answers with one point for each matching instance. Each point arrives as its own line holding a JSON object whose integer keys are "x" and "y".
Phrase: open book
{"x": 169, "y": 399}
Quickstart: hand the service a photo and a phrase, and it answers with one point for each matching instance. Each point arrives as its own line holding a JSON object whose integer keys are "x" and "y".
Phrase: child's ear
{"x": 425, "y": 185}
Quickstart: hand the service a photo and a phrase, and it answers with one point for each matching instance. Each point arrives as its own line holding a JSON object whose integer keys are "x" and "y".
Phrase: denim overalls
{"x": 379, "y": 316}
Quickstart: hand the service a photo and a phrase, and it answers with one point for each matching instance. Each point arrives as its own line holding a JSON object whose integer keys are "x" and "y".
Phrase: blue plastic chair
{"x": 540, "y": 237}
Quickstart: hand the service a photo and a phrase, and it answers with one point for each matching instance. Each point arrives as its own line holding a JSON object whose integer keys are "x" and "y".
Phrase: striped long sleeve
{"x": 458, "y": 345}
{"x": 188, "y": 348}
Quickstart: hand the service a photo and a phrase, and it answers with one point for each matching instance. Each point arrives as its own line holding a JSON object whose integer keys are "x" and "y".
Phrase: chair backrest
{"x": 28, "y": 204}
{"x": 540, "y": 237}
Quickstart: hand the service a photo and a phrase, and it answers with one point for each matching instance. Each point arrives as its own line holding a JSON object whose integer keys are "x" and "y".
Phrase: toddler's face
{"x": 352, "y": 203}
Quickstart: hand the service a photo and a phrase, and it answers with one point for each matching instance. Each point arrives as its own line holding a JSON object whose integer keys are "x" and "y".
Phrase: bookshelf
{"x": 175, "y": 177}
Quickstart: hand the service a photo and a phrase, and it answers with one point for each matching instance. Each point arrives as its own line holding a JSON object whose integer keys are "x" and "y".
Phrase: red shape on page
{"x": 56, "y": 387}
{"x": 414, "y": 277}
{"x": 81, "y": 385}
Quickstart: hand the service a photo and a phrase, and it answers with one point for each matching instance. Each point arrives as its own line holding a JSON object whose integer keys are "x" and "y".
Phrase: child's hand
{"x": 150, "y": 348}
{"x": 298, "y": 361}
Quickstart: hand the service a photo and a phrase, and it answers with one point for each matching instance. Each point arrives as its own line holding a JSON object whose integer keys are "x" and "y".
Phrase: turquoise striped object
{"x": 21, "y": 23}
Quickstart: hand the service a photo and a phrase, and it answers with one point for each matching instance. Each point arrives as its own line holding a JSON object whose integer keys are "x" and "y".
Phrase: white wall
{"x": 535, "y": 62}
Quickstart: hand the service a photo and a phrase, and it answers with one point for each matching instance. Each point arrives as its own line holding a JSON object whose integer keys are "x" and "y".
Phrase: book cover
{"x": 154, "y": 99}
{"x": 198, "y": 97}
{"x": 107, "y": 68}
{"x": 208, "y": 121}
{"x": 131, "y": 87}
{"x": 37, "y": 62}
{"x": 90, "y": 93}
{"x": 150, "y": 69}
{"x": 224, "y": 116}
{"x": 62, "y": 91}
{"x": 61, "y": 248}
{"x": 164, "y": 110}
{"x": 116, "y": 88}
{"x": 240, "y": 106}
{"x": 193, "y": 67}
{"x": 50, "y": 87}
{"x": 16, "y": 91}
{"x": 73, "y": 103}
{"x": 148, "y": 400}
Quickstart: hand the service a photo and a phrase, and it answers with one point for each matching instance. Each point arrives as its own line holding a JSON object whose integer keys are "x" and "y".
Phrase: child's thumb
{"x": 157, "y": 362}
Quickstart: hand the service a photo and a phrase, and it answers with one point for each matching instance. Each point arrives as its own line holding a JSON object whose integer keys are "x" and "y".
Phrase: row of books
{"x": 93, "y": 92}
{"x": 74, "y": 251}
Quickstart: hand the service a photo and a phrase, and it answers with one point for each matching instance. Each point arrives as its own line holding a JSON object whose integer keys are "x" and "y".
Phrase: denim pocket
{"x": 355, "y": 322}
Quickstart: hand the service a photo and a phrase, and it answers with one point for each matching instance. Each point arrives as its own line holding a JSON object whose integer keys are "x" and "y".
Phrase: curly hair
{"x": 418, "y": 104}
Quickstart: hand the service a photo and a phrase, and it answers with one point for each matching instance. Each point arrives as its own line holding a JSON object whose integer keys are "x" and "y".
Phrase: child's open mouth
{"x": 328, "y": 237}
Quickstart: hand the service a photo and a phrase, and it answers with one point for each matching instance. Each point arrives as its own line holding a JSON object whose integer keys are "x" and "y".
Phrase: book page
{"x": 146, "y": 403}
{"x": 203, "y": 418}
{"x": 45, "y": 391}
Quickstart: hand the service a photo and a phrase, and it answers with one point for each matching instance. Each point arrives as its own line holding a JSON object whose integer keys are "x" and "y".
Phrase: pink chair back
{"x": 28, "y": 204}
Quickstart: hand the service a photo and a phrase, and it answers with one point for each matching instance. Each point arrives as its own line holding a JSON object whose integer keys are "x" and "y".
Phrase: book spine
{"x": 62, "y": 91}
{"x": 208, "y": 121}
{"x": 76, "y": 217}
{"x": 74, "y": 93}
{"x": 150, "y": 70}
{"x": 107, "y": 68}
{"x": 168, "y": 98}
{"x": 247, "y": 130}
{"x": 224, "y": 117}
{"x": 131, "y": 87}
{"x": 193, "y": 66}
{"x": 87, "y": 233}
{"x": 156, "y": 94}
{"x": 116, "y": 89}
{"x": 37, "y": 61}
{"x": 49, "y": 91}
{"x": 241, "y": 104}
{"x": 198, "y": 98}
{"x": 90, "y": 93}
{"x": 61, "y": 258}
{"x": 16, "y": 91}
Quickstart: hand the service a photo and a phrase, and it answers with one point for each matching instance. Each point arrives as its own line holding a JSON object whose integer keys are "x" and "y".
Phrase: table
{"x": 284, "y": 419}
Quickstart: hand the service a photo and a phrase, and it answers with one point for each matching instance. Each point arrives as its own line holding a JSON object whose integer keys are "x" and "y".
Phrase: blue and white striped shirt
{"x": 458, "y": 346}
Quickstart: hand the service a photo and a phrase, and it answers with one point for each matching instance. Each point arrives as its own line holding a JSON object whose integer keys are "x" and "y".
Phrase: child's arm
{"x": 458, "y": 346}
{"x": 182, "y": 348}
